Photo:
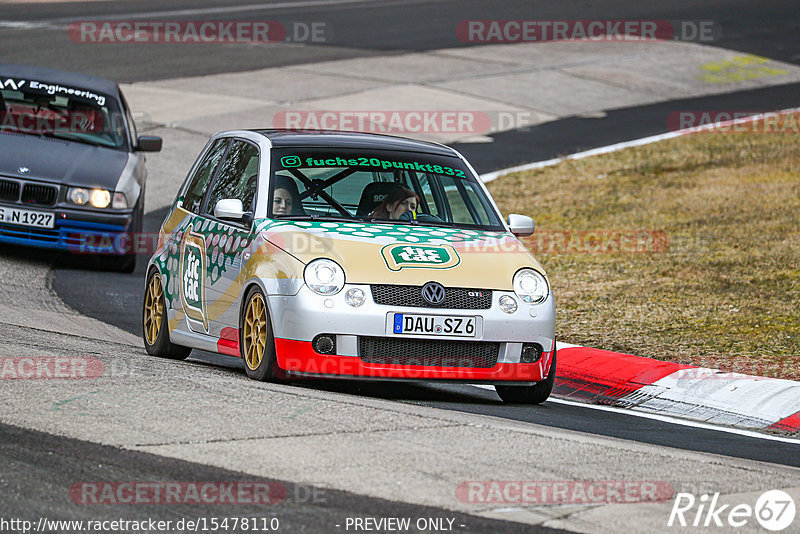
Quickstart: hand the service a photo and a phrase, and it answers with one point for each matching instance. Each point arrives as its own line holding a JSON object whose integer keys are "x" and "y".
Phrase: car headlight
{"x": 530, "y": 286}
{"x": 97, "y": 198}
{"x": 324, "y": 276}
{"x": 100, "y": 198}
{"x": 78, "y": 195}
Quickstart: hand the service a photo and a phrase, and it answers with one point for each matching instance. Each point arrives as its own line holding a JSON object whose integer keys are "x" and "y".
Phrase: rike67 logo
{"x": 192, "y": 276}
{"x": 774, "y": 510}
{"x": 419, "y": 256}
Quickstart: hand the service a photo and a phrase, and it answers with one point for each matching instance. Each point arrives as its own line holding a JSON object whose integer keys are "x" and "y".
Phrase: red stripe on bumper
{"x": 299, "y": 357}
{"x": 228, "y": 347}
{"x": 603, "y": 376}
{"x": 229, "y": 342}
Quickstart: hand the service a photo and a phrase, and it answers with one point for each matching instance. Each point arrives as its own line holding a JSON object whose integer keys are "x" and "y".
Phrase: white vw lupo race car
{"x": 332, "y": 254}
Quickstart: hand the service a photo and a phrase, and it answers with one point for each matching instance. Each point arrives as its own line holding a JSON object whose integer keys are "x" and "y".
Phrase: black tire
{"x": 255, "y": 335}
{"x": 535, "y": 394}
{"x": 155, "y": 334}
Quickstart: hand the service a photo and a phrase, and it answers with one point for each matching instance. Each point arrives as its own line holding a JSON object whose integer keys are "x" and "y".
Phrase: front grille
{"x": 9, "y": 190}
{"x": 428, "y": 353}
{"x": 41, "y": 195}
{"x": 456, "y": 298}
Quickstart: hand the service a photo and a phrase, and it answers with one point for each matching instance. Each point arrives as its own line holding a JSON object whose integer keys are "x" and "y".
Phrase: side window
{"x": 480, "y": 208}
{"x": 237, "y": 177}
{"x": 199, "y": 182}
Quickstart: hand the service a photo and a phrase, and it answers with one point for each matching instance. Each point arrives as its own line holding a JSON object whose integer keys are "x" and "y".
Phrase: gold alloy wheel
{"x": 153, "y": 309}
{"x": 255, "y": 331}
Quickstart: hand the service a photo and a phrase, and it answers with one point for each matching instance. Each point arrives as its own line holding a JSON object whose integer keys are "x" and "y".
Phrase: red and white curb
{"x": 684, "y": 391}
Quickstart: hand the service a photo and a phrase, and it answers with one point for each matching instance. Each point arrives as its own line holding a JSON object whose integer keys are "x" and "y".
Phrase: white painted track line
{"x": 666, "y": 419}
{"x": 488, "y": 177}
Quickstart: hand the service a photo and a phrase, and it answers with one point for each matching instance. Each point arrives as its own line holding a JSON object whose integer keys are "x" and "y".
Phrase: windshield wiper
{"x": 415, "y": 222}
{"x": 77, "y": 139}
{"x": 409, "y": 222}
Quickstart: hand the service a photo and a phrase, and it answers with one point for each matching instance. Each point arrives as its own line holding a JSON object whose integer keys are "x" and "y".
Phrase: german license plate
{"x": 435, "y": 325}
{"x": 38, "y": 219}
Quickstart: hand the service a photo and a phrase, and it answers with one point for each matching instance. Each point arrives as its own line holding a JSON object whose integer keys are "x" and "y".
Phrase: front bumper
{"x": 298, "y": 319}
{"x": 75, "y": 231}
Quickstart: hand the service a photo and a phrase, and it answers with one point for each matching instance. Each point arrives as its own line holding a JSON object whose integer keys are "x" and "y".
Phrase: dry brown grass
{"x": 724, "y": 293}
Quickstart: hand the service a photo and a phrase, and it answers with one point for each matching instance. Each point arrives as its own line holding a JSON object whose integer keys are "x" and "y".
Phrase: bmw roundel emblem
{"x": 24, "y": 170}
{"x": 433, "y": 293}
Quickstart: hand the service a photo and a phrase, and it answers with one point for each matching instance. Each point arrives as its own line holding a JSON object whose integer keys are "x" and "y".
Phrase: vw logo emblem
{"x": 433, "y": 293}
{"x": 24, "y": 170}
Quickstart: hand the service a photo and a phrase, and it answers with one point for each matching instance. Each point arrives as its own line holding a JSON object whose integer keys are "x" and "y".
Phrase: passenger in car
{"x": 396, "y": 203}
{"x": 284, "y": 197}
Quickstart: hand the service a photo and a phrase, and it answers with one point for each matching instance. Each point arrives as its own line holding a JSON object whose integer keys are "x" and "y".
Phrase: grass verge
{"x": 686, "y": 250}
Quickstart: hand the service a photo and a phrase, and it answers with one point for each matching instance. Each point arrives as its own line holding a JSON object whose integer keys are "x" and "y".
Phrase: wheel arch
{"x": 246, "y": 288}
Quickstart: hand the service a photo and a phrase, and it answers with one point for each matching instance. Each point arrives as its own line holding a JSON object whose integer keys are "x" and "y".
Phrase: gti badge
{"x": 24, "y": 170}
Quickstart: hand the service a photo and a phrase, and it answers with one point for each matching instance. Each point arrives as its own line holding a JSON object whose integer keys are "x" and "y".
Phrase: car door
{"x": 187, "y": 287}
{"x": 227, "y": 240}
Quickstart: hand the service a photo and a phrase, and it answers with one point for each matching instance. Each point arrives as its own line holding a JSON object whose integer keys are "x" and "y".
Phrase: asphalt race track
{"x": 767, "y": 28}
{"x": 381, "y": 450}
{"x": 37, "y": 490}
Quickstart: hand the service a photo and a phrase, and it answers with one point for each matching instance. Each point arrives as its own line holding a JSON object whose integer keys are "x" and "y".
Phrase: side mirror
{"x": 521, "y": 225}
{"x": 149, "y": 143}
{"x": 229, "y": 208}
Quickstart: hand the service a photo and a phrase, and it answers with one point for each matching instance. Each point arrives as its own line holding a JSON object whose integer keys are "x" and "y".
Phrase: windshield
{"x": 68, "y": 113}
{"x": 378, "y": 186}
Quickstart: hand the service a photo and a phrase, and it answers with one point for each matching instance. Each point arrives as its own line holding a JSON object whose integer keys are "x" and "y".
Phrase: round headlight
{"x": 78, "y": 195}
{"x": 530, "y": 286}
{"x": 324, "y": 277}
{"x": 100, "y": 198}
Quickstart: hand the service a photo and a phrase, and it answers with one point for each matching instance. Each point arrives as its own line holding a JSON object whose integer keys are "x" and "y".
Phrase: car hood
{"x": 405, "y": 255}
{"x": 56, "y": 160}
